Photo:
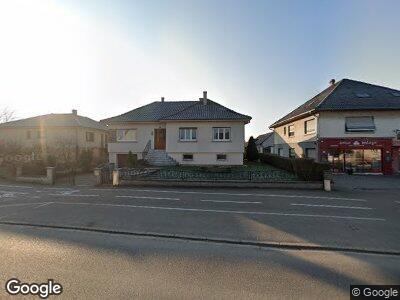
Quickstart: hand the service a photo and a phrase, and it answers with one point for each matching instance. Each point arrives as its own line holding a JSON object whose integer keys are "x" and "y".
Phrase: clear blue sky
{"x": 261, "y": 58}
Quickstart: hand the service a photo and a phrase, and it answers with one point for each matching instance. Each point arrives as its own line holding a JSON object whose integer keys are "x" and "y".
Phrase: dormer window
{"x": 363, "y": 95}
{"x": 396, "y": 94}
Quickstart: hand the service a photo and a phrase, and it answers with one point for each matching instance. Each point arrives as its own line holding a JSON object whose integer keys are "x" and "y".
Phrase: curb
{"x": 271, "y": 245}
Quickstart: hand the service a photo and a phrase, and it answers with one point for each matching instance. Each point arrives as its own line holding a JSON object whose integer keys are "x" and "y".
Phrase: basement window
{"x": 360, "y": 124}
{"x": 221, "y": 156}
{"x": 187, "y": 156}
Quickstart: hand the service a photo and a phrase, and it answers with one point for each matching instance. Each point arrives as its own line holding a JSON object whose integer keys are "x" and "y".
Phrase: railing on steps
{"x": 146, "y": 149}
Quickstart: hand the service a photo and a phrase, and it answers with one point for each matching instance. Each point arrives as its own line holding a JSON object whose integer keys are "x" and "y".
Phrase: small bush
{"x": 85, "y": 160}
{"x": 35, "y": 167}
{"x": 131, "y": 160}
{"x": 305, "y": 168}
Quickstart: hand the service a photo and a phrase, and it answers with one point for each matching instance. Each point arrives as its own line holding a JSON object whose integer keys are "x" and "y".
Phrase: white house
{"x": 265, "y": 142}
{"x": 351, "y": 125}
{"x": 199, "y": 132}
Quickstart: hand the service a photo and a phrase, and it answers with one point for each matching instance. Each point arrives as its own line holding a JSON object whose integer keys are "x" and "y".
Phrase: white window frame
{"x": 306, "y": 130}
{"x": 189, "y": 134}
{"x": 290, "y": 131}
{"x": 119, "y": 139}
{"x": 223, "y": 131}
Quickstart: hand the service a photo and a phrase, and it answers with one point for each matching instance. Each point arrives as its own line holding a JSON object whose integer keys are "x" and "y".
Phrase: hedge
{"x": 305, "y": 168}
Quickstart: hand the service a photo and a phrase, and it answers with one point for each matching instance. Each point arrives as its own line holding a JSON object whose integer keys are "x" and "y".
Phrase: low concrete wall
{"x": 305, "y": 185}
{"x": 49, "y": 179}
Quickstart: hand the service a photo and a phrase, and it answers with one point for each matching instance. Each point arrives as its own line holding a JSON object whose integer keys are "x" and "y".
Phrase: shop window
{"x": 360, "y": 124}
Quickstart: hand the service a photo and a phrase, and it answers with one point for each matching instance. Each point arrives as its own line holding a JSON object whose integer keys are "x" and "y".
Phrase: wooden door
{"x": 159, "y": 139}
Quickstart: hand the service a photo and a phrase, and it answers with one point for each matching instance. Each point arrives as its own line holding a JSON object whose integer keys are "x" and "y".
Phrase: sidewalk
{"x": 366, "y": 182}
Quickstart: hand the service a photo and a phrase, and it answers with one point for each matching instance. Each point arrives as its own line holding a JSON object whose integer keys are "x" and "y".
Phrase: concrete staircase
{"x": 159, "y": 158}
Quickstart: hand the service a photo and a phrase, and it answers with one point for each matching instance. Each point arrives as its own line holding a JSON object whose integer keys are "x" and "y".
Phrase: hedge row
{"x": 305, "y": 169}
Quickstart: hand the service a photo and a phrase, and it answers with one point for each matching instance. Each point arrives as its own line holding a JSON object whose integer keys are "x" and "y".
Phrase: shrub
{"x": 131, "y": 160}
{"x": 35, "y": 167}
{"x": 251, "y": 150}
{"x": 85, "y": 160}
{"x": 51, "y": 161}
{"x": 305, "y": 168}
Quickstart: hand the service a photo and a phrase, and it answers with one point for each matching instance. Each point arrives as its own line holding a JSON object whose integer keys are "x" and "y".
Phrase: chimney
{"x": 205, "y": 98}
{"x": 75, "y": 112}
{"x": 162, "y": 99}
{"x": 332, "y": 81}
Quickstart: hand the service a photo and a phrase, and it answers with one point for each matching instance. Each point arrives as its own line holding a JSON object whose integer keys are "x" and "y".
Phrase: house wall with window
{"x": 214, "y": 143}
{"x": 299, "y": 135}
{"x": 333, "y": 124}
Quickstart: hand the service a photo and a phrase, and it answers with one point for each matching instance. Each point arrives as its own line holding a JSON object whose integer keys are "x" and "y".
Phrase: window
{"x": 360, "y": 124}
{"x": 309, "y": 126}
{"x": 284, "y": 130}
{"x": 267, "y": 149}
{"x": 280, "y": 151}
{"x": 222, "y": 134}
{"x": 126, "y": 135}
{"x": 291, "y": 130}
{"x": 187, "y": 134}
{"x": 187, "y": 156}
{"x": 28, "y": 134}
{"x": 310, "y": 153}
{"x": 89, "y": 136}
{"x": 292, "y": 153}
{"x": 221, "y": 156}
{"x": 363, "y": 95}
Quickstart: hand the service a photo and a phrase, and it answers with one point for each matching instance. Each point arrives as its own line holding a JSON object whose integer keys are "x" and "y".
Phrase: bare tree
{"x": 6, "y": 115}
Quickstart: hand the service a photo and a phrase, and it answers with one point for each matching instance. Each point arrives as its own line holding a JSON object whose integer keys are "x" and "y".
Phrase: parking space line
{"x": 330, "y": 206}
{"x": 73, "y": 195}
{"x": 233, "y": 194}
{"x": 230, "y": 201}
{"x": 144, "y": 197}
{"x": 221, "y": 211}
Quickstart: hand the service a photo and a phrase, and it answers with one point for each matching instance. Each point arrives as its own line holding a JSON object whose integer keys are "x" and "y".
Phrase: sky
{"x": 260, "y": 58}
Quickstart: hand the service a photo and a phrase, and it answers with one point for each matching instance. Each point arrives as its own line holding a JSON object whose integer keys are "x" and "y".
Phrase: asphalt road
{"x": 121, "y": 263}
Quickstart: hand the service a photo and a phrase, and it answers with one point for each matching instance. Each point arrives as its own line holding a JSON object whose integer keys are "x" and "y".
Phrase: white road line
{"x": 21, "y": 204}
{"x": 229, "y": 201}
{"x": 233, "y": 194}
{"x": 397, "y": 202}
{"x": 44, "y": 204}
{"x": 72, "y": 195}
{"x": 16, "y": 186}
{"x": 220, "y": 211}
{"x": 330, "y": 206}
{"x": 143, "y": 197}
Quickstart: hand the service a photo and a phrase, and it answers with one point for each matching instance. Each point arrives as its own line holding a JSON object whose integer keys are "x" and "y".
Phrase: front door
{"x": 159, "y": 139}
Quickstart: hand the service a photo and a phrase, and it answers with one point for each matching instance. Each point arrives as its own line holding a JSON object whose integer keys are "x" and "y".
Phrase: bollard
{"x": 50, "y": 175}
{"x": 327, "y": 181}
{"x": 116, "y": 178}
{"x": 97, "y": 174}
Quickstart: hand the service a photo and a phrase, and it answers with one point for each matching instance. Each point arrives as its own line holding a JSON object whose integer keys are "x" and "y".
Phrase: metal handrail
{"x": 146, "y": 149}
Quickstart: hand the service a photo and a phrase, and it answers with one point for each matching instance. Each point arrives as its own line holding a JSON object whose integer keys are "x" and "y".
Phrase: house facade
{"x": 55, "y": 135}
{"x": 265, "y": 143}
{"x": 352, "y": 125}
{"x": 199, "y": 132}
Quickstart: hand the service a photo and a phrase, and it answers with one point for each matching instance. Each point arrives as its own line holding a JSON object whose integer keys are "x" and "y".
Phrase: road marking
{"x": 73, "y": 195}
{"x": 17, "y": 186}
{"x": 143, "y": 197}
{"x": 21, "y": 204}
{"x": 229, "y": 201}
{"x": 232, "y": 194}
{"x": 220, "y": 211}
{"x": 44, "y": 204}
{"x": 397, "y": 202}
{"x": 330, "y": 206}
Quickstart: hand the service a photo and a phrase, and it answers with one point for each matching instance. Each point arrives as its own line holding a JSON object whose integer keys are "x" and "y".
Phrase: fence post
{"x": 116, "y": 180}
{"x": 50, "y": 175}
{"x": 98, "y": 175}
{"x": 327, "y": 181}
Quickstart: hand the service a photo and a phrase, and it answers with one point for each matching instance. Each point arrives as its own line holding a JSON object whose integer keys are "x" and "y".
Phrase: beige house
{"x": 58, "y": 135}
{"x": 199, "y": 132}
{"x": 352, "y": 125}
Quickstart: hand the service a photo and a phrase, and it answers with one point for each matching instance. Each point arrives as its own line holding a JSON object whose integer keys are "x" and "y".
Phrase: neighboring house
{"x": 352, "y": 125}
{"x": 185, "y": 132}
{"x": 56, "y": 134}
{"x": 265, "y": 142}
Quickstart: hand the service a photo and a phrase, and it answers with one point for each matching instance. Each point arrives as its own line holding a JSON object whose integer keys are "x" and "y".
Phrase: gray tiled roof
{"x": 262, "y": 137}
{"x": 343, "y": 95}
{"x": 55, "y": 120}
{"x": 178, "y": 110}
